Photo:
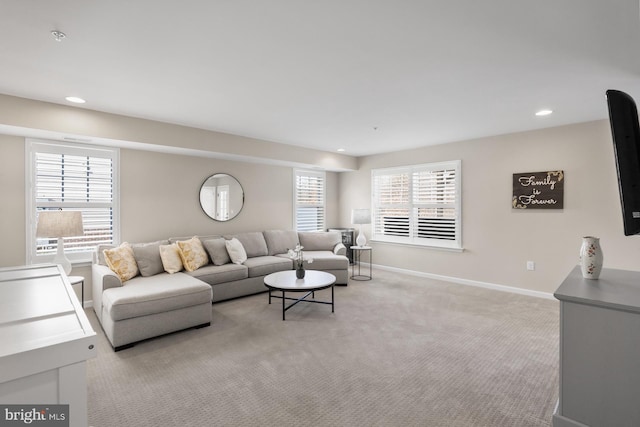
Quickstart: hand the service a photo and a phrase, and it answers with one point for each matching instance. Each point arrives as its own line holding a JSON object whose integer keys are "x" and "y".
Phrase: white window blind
{"x": 418, "y": 204}
{"x": 72, "y": 177}
{"x": 309, "y": 200}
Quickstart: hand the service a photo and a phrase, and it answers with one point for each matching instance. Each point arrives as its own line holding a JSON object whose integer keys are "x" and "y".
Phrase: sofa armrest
{"x": 340, "y": 249}
{"x": 103, "y": 278}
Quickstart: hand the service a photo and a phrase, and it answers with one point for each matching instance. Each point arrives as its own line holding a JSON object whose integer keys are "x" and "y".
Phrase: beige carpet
{"x": 398, "y": 351}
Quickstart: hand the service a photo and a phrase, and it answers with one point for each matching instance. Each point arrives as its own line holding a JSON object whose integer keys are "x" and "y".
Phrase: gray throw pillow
{"x": 148, "y": 258}
{"x": 252, "y": 242}
{"x": 217, "y": 251}
{"x": 279, "y": 241}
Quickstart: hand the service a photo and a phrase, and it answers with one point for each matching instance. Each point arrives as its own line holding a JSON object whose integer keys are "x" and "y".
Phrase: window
{"x": 309, "y": 189}
{"x": 72, "y": 177}
{"x": 418, "y": 205}
{"x": 222, "y": 207}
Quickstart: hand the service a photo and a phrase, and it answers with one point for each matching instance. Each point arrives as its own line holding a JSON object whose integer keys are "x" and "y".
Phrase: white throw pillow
{"x": 236, "y": 251}
{"x": 170, "y": 256}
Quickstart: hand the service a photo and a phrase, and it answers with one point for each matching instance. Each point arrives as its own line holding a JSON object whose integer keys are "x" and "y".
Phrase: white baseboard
{"x": 468, "y": 282}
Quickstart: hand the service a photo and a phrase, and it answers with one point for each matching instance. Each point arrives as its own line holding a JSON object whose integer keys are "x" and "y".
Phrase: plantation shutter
{"x": 392, "y": 207}
{"x": 80, "y": 179}
{"x": 434, "y": 204}
{"x": 418, "y": 204}
{"x": 309, "y": 200}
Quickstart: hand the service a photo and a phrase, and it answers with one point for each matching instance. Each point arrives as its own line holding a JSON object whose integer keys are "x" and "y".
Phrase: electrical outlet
{"x": 531, "y": 265}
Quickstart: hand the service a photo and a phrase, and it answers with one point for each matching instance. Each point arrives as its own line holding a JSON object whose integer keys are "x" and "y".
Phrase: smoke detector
{"x": 58, "y": 35}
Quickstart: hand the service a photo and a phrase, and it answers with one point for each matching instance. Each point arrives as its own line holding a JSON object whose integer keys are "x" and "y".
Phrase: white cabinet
{"x": 46, "y": 339}
{"x": 599, "y": 350}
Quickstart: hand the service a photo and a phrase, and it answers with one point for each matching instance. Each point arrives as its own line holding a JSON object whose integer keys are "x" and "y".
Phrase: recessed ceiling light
{"x": 341, "y": 150}
{"x": 75, "y": 100}
{"x": 544, "y": 112}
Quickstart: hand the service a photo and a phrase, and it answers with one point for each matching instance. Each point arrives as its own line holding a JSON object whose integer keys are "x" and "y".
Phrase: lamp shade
{"x": 59, "y": 224}
{"x": 360, "y": 216}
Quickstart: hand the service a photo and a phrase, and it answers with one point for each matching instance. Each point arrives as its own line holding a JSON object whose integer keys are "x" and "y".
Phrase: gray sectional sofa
{"x": 156, "y": 302}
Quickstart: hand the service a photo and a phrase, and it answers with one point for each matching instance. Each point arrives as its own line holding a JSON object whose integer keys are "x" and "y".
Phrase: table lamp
{"x": 360, "y": 217}
{"x": 59, "y": 224}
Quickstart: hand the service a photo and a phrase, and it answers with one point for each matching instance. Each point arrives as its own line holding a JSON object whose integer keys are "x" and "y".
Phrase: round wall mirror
{"x": 221, "y": 197}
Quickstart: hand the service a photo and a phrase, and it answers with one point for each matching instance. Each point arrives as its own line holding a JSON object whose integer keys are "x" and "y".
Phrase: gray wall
{"x": 159, "y": 198}
{"x": 12, "y": 208}
{"x": 159, "y": 193}
{"x": 499, "y": 240}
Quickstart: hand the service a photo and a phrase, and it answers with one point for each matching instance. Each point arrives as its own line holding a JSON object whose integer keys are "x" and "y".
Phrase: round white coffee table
{"x": 286, "y": 281}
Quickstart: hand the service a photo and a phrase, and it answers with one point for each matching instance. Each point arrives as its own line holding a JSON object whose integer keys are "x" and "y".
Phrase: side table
{"x": 347, "y": 239}
{"x": 357, "y": 262}
{"x": 74, "y": 280}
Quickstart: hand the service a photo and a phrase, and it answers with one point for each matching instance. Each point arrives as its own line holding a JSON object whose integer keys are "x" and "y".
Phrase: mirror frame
{"x": 215, "y": 175}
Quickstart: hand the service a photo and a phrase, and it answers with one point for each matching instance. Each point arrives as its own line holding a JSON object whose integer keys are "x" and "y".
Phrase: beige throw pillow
{"x": 121, "y": 261}
{"x": 170, "y": 256}
{"x": 236, "y": 251}
{"x": 193, "y": 254}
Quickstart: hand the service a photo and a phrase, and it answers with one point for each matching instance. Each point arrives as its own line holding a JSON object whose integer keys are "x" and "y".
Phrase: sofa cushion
{"x": 192, "y": 253}
{"x": 121, "y": 261}
{"x": 236, "y": 251}
{"x": 147, "y": 257}
{"x": 280, "y": 241}
{"x": 170, "y": 256}
{"x": 214, "y": 274}
{"x": 319, "y": 241}
{"x": 263, "y": 265}
{"x": 142, "y": 296}
{"x": 253, "y": 243}
{"x": 325, "y": 260}
{"x": 217, "y": 250}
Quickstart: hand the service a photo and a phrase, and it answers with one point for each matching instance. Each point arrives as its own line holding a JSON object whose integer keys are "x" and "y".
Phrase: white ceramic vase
{"x": 591, "y": 257}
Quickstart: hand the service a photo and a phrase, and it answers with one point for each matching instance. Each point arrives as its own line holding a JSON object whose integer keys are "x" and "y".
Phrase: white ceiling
{"x": 326, "y": 73}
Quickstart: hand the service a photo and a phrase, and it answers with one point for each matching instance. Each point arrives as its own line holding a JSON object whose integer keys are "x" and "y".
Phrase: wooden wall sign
{"x": 538, "y": 190}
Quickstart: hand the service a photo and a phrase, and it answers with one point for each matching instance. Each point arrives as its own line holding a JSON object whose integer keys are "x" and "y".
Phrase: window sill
{"x": 81, "y": 263}
{"x": 84, "y": 261}
{"x": 414, "y": 245}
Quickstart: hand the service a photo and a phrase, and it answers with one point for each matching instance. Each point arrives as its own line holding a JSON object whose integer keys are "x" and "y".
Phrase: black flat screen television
{"x": 623, "y": 117}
